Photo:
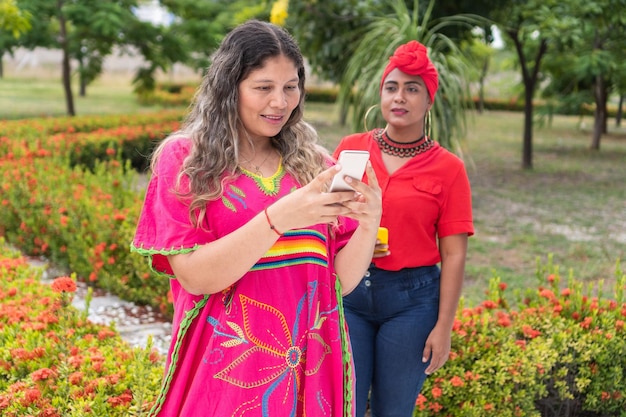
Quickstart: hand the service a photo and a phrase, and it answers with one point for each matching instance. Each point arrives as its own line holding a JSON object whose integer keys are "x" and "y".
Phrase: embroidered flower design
{"x": 278, "y": 357}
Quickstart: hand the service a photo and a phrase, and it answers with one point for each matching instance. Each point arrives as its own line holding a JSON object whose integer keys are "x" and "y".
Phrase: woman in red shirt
{"x": 401, "y": 314}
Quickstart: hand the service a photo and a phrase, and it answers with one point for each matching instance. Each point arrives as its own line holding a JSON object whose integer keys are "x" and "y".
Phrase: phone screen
{"x": 353, "y": 164}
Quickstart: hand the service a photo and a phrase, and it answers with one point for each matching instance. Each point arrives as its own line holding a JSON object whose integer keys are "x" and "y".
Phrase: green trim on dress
{"x": 348, "y": 379}
{"x": 149, "y": 253}
{"x": 182, "y": 332}
{"x": 268, "y": 185}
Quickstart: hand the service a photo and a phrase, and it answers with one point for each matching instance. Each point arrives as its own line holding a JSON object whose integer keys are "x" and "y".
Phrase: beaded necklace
{"x": 401, "y": 149}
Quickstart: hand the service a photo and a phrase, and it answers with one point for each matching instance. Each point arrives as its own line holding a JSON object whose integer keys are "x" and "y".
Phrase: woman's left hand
{"x": 366, "y": 207}
{"x": 437, "y": 349}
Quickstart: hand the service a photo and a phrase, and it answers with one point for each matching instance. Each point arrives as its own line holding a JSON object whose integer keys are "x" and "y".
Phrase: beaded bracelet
{"x": 270, "y": 223}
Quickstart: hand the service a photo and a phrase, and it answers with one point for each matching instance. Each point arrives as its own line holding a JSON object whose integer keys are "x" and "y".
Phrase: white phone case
{"x": 353, "y": 164}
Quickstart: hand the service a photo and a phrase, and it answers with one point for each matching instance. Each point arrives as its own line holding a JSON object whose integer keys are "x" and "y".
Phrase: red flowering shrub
{"x": 82, "y": 217}
{"x": 66, "y": 365}
{"x": 561, "y": 352}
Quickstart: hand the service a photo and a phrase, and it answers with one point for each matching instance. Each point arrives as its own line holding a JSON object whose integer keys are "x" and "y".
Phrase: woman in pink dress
{"x": 258, "y": 254}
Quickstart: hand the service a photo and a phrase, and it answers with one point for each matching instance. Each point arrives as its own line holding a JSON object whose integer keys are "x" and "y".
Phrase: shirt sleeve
{"x": 456, "y": 217}
{"x": 164, "y": 226}
{"x": 343, "y": 232}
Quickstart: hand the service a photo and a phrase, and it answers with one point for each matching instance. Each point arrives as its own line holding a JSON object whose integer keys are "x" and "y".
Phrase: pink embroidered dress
{"x": 275, "y": 343}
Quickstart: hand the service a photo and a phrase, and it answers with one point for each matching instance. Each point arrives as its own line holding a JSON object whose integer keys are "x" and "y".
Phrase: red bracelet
{"x": 270, "y": 223}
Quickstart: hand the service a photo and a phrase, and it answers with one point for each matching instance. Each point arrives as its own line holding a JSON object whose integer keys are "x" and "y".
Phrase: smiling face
{"x": 268, "y": 96}
{"x": 404, "y": 102}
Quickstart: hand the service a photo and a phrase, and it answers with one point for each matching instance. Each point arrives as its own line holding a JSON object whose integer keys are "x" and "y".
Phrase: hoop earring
{"x": 428, "y": 124}
{"x": 367, "y": 113}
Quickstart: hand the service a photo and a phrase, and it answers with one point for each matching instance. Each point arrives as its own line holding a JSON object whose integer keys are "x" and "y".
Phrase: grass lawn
{"x": 43, "y": 97}
{"x": 571, "y": 205}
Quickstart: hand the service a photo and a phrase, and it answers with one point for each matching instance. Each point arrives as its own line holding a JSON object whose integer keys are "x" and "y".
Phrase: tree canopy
{"x": 13, "y": 19}
{"x": 359, "y": 87}
{"x": 573, "y": 47}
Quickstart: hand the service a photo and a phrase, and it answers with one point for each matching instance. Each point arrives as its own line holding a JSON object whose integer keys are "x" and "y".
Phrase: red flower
{"x": 105, "y": 333}
{"x": 503, "y": 319}
{"x": 456, "y": 381}
{"x": 122, "y": 400}
{"x": 76, "y": 378}
{"x": 547, "y": 294}
{"x": 64, "y": 284}
{"x": 436, "y": 407}
{"x": 530, "y": 332}
{"x": 421, "y": 402}
{"x": 30, "y": 396}
{"x": 586, "y": 323}
{"x": 42, "y": 374}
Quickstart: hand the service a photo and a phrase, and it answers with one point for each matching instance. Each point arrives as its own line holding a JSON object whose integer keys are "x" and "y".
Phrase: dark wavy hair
{"x": 213, "y": 123}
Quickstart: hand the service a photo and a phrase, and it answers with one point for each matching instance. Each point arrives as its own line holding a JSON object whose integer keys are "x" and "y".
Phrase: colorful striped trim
{"x": 295, "y": 247}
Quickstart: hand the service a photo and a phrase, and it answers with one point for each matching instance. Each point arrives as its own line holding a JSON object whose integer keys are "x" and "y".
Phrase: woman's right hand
{"x": 311, "y": 204}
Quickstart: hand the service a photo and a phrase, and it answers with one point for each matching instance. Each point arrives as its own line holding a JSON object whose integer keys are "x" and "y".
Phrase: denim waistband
{"x": 375, "y": 274}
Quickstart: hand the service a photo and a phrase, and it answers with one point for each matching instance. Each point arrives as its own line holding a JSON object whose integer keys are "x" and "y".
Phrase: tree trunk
{"x": 65, "y": 65}
{"x": 527, "y": 148}
{"x": 83, "y": 87}
{"x": 1, "y": 65}
{"x": 620, "y": 109}
{"x": 599, "y": 120}
{"x": 530, "y": 83}
{"x": 82, "y": 83}
{"x": 481, "y": 91}
{"x": 343, "y": 117}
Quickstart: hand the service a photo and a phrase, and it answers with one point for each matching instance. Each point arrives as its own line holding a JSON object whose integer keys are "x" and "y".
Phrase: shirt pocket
{"x": 427, "y": 186}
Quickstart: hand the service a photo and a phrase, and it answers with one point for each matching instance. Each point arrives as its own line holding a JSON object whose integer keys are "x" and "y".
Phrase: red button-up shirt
{"x": 429, "y": 197}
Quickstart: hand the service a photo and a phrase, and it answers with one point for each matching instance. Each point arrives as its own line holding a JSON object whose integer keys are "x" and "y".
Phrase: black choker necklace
{"x": 400, "y": 149}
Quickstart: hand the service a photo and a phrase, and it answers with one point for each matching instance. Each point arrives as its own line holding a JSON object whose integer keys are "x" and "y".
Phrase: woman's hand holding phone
{"x": 352, "y": 164}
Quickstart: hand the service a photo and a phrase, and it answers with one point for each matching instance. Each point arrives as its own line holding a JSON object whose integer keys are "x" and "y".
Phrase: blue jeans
{"x": 390, "y": 314}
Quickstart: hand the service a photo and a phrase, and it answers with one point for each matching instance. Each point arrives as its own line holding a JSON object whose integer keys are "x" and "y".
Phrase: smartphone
{"x": 353, "y": 165}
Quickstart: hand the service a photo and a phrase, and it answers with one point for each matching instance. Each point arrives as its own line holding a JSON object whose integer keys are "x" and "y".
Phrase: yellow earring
{"x": 367, "y": 113}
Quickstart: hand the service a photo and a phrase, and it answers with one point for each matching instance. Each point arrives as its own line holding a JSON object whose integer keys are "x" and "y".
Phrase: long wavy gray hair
{"x": 213, "y": 122}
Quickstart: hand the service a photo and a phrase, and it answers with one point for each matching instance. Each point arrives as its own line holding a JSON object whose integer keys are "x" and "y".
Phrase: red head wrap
{"x": 412, "y": 58}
